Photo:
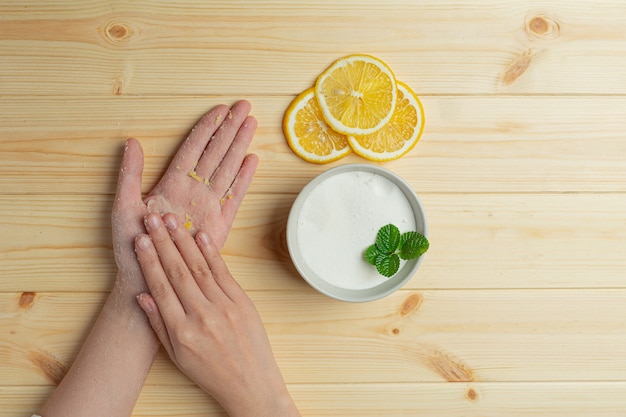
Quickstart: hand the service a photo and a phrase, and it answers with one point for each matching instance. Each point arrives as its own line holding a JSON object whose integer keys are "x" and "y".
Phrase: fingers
{"x": 233, "y": 198}
{"x": 218, "y": 145}
{"x": 191, "y": 150}
{"x": 129, "y": 180}
{"x": 162, "y": 292}
{"x": 231, "y": 162}
{"x": 193, "y": 258}
{"x": 173, "y": 266}
{"x": 148, "y": 305}
{"x": 219, "y": 270}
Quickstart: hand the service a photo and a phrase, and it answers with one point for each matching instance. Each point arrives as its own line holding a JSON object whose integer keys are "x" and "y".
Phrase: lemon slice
{"x": 357, "y": 94}
{"x": 398, "y": 136}
{"x": 308, "y": 134}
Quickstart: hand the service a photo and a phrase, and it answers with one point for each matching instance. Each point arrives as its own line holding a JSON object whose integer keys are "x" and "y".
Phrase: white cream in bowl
{"x": 336, "y": 217}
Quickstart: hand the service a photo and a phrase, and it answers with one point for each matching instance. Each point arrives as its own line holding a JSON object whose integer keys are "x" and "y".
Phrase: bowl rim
{"x": 351, "y": 295}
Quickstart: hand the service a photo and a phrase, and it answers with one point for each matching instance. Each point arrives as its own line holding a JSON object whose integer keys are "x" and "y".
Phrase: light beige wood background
{"x": 519, "y": 307}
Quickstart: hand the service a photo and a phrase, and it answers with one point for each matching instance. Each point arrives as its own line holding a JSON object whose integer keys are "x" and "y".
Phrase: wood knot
{"x": 395, "y": 330}
{"x": 449, "y": 368}
{"x": 118, "y": 87}
{"x": 118, "y": 32}
{"x": 543, "y": 27}
{"x": 516, "y": 68}
{"x": 410, "y": 304}
{"x": 53, "y": 369}
{"x": 26, "y": 300}
{"x": 472, "y": 395}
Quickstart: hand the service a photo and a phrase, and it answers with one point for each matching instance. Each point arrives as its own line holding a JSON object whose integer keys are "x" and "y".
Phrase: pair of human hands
{"x": 206, "y": 322}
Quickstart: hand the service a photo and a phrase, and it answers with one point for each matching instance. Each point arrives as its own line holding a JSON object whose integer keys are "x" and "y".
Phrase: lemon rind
{"x": 336, "y": 125}
{"x": 390, "y": 156}
{"x": 298, "y": 103}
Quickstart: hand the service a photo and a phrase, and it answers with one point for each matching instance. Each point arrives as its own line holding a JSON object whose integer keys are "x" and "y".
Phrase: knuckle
{"x": 186, "y": 339}
{"x": 231, "y": 315}
{"x": 177, "y": 272}
{"x": 200, "y": 269}
{"x": 160, "y": 290}
{"x": 207, "y": 323}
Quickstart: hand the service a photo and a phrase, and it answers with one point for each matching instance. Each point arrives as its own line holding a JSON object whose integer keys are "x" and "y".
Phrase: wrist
{"x": 122, "y": 307}
{"x": 129, "y": 283}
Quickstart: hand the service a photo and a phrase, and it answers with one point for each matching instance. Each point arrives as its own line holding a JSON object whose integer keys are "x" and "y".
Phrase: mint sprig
{"x": 390, "y": 246}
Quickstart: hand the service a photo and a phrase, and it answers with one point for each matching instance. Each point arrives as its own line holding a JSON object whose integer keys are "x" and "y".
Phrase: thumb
{"x": 129, "y": 179}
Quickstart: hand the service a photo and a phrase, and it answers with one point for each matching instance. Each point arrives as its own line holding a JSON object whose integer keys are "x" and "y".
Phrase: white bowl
{"x": 325, "y": 284}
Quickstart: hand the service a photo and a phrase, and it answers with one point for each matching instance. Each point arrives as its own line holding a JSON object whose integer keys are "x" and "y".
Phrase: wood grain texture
{"x": 478, "y": 47}
{"x": 410, "y": 336}
{"x": 554, "y": 399}
{"x": 527, "y": 241}
{"x": 470, "y": 144}
{"x": 519, "y": 306}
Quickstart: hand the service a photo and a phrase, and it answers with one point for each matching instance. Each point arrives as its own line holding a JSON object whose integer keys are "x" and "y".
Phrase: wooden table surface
{"x": 518, "y": 309}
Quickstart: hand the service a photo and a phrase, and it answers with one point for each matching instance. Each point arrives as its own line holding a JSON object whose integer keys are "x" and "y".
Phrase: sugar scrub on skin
{"x": 340, "y": 218}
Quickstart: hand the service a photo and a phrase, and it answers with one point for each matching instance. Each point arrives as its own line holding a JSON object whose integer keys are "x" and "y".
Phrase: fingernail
{"x": 143, "y": 242}
{"x": 152, "y": 222}
{"x": 203, "y": 238}
{"x": 145, "y": 303}
{"x": 171, "y": 222}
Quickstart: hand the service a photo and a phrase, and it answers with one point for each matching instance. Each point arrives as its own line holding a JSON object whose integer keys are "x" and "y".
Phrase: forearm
{"x": 110, "y": 370}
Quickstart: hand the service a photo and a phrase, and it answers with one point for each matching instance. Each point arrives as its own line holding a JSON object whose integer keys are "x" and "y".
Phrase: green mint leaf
{"x": 387, "y": 265}
{"x": 391, "y": 246}
{"x": 413, "y": 245}
{"x": 388, "y": 239}
{"x": 371, "y": 254}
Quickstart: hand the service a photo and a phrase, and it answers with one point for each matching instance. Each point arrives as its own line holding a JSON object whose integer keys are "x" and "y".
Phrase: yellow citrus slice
{"x": 308, "y": 134}
{"x": 357, "y": 94}
{"x": 398, "y": 136}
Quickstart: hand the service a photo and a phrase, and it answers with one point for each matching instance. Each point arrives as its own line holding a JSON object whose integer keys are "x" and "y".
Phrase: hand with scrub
{"x": 204, "y": 184}
{"x": 206, "y": 322}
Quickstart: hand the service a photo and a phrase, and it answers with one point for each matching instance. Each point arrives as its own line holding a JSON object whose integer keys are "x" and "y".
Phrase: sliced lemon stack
{"x": 356, "y": 104}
